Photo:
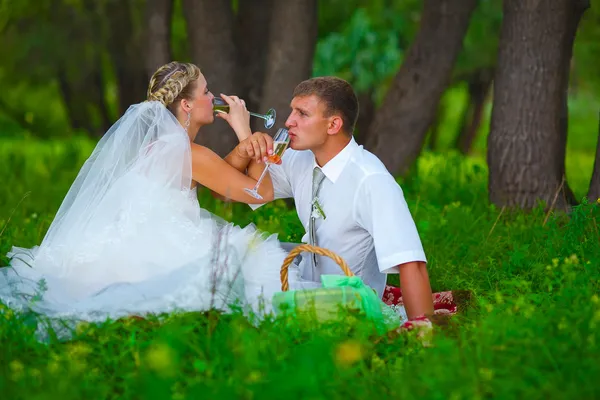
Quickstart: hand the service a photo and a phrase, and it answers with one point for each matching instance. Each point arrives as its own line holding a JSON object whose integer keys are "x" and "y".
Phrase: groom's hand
{"x": 258, "y": 146}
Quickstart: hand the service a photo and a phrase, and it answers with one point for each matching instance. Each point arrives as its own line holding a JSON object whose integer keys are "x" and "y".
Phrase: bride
{"x": 130, "y": 237}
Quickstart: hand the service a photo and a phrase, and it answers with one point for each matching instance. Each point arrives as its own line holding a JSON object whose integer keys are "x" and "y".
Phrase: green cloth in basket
{"x": 338, "y": 291}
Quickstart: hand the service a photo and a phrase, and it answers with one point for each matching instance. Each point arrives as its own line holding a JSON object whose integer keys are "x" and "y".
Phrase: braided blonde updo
{"x": 173, "y": 82}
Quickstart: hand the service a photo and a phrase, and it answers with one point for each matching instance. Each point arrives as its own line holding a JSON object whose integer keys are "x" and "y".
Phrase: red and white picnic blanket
{"x": 443, "y": 302}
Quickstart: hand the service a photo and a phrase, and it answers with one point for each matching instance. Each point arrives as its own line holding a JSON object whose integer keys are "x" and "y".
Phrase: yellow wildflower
{"x": 17, "y": 369}
{"x": 160, "y": 359}
{"x": 78, "y": 350}
{"x": 348, "y": 353}
{"x": 377, "y": 363}
{"x": 254, "y": 376}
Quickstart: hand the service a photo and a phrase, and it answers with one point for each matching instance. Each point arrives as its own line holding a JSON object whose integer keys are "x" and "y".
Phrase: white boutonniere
{"x": 317, "y": 210}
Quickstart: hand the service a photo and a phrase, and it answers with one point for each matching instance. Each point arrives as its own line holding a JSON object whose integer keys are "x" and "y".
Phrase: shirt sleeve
{"x": 282, "y": 186}
{"x": 381, "y": 209}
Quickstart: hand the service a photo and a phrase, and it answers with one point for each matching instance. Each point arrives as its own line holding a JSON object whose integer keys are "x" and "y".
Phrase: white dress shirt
{"x": 367, "y": 221}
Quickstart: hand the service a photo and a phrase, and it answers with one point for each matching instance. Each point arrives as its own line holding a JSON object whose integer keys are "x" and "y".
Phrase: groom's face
{"x": 306, "y": 124}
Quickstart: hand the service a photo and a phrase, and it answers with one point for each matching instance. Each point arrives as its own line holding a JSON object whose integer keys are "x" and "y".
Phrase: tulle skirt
{"x": 148, "y": 255}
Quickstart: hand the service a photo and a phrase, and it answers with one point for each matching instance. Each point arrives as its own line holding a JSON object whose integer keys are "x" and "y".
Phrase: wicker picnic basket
{"x": 337, "y": 291}
{"x": 310, "y": 249}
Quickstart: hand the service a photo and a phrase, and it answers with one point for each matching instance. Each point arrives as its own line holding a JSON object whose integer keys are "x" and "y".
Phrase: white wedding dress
{"x": 130, "y": 237}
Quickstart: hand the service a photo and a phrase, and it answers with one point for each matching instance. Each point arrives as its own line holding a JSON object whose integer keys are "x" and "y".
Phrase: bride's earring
{"x": 187, "y": 121}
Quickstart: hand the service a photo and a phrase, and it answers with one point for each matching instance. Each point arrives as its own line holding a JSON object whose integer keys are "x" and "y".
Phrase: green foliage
{"x": 362, "y": 55}
{"x": 586, "y": 51}
{"x": 365, "y": 44}
{"x": 531, "y": 330}
{"x": 179, "y": 42}
{"x": 401, "y": 16}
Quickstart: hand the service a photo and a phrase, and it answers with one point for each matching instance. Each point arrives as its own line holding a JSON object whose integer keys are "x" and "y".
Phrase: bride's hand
{"x": 258, "y": 146}
{"x": 238, "y": 116}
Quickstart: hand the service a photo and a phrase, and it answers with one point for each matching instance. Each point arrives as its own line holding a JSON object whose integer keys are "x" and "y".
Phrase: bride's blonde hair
{"x": 173, "y": 82}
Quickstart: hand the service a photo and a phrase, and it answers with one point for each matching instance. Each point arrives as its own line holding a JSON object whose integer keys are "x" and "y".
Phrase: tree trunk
{"x": 252, "y": 38}
{"x": 479, "y": 86}
{"x": 527, "y": 141}
{"x": 82, "y": 95}
{"x": 125, "y": 47}
{"x": 80, "y": 76}
{"x": 212, "y": 47}
{"x": 434, "y": 128}
{"x": 293, "y": 37}
{"x": 365, "y": 116}
{"x": 400, "y": 126}
{"x": 594, "y": 190}
{"x": 158, "y": 31}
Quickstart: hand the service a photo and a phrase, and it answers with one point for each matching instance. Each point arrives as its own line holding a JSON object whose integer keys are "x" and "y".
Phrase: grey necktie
{"x": 318, "y": 177}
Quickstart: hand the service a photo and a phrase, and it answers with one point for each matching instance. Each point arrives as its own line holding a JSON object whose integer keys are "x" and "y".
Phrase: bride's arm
{"x": 213, "y": 172}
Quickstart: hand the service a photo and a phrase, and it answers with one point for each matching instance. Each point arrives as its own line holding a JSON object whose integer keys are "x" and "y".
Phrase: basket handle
{"x": 310, "y": 249}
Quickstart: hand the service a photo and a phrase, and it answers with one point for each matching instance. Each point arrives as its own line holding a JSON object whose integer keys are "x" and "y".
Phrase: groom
{"x": 346, "y": 199}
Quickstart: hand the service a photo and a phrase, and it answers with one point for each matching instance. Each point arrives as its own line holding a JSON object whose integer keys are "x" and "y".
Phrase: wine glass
{"x": 221, "y": 106}
{"x": 281, "y": 141}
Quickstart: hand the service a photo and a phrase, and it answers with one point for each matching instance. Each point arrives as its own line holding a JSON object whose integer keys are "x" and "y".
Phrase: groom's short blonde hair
{"x": 338, "y": 96}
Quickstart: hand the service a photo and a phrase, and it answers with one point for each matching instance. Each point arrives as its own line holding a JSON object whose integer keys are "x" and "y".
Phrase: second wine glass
{"x": 281, "y": 141}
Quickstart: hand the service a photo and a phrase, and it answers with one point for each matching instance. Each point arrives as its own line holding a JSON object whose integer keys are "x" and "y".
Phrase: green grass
{"x": 532, "y": 332}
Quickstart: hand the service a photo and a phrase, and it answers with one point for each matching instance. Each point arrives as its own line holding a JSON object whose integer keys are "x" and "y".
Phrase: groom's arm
{"x": 416, "y": 289}
{"x": 383, "y": 212}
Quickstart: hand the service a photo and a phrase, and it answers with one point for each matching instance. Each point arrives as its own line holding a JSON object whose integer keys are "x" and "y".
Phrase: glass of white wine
{"x": 221, "y": 106}
{"x": 281, "y": 141}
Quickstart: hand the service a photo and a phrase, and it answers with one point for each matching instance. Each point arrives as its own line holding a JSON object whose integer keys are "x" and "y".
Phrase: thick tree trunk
{"x": 128, "y": 58}
{"x": 594, "y": 190}
{"x": 252, "y": 38}
{"x": 158, "y": 31}
{"x": 293, "y": 37}
{"x": 479, "y": 86}
{"x": 212, "y": 47}
{"x": 527, "y": 141}
{"x": 400, "y": 126}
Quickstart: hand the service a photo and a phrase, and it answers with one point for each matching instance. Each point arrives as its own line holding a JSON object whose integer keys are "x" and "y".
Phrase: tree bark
{"x": 594, "y": 190}
{"x": 80, "y": 77}
{"x": 251, "y": 39}
{"x": 527, "y": 141}
{"x": 479, "y": 85}
{"x": 126, "y": 50}
{"x": 401, "y": 124}
{"x": 82, "y": 94}
{"x": 365, "y": 116}
{"x": 158, "y": 31}
{"x": 212, "y": 47}
{"x": 293, "y": 37}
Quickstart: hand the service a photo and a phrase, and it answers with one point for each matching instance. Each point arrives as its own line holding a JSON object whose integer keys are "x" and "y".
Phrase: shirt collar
{"x": 335, "y": 166}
